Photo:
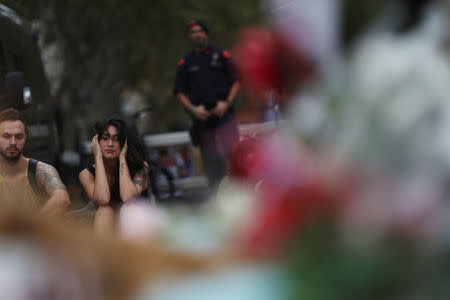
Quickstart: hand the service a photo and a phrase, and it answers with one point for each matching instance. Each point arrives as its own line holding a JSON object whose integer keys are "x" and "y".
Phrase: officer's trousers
{"x": 216, "y": 145}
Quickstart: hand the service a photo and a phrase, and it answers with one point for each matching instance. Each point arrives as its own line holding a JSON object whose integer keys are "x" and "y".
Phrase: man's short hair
{"x": 11, "y": 114}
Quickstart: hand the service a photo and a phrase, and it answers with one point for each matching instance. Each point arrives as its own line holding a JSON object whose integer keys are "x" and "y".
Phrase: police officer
{"x": 207, "y": 86}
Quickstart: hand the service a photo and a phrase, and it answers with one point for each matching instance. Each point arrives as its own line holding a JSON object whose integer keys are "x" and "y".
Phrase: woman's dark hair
{"x": 135, "y": 153}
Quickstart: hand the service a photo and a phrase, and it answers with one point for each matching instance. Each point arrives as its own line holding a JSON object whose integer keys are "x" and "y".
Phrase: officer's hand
{"x": 220, "y": 109}
{"x": 201, "y": 113}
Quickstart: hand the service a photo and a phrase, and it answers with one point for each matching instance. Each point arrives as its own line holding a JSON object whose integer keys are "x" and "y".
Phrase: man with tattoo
{"x": 24, "y": 182}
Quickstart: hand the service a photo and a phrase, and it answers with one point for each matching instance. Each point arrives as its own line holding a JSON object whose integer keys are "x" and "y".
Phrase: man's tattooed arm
{"x": 48, "y": 178}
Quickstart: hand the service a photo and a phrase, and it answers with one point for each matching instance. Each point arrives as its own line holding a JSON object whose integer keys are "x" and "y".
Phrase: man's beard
{"x": 11, "y": 158}
{"x": 201, "y": 44}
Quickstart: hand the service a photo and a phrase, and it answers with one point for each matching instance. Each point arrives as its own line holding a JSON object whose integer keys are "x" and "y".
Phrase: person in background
{"x": 119, "y": 175}
{"x": 173, "y": 161}
{"x": 26, "y": 183}
{"x": 206, "y": 86}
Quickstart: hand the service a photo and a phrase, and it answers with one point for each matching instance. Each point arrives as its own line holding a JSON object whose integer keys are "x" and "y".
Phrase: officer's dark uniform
{"x": 206, "y": 78}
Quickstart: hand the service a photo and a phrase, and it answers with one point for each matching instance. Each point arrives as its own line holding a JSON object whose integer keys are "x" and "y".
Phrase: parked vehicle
{"x": 23, "y": 85}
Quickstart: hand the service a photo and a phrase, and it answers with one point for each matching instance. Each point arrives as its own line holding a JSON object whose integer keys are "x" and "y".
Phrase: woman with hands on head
{"x": 119, "y": 174}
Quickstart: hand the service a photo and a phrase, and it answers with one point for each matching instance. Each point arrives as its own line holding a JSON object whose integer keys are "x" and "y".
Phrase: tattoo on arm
{"x": 122, "y": 169}
{"x": 139, "y": 181}
{"x": 49, "y": 177}
{"x": 140, "y": 178}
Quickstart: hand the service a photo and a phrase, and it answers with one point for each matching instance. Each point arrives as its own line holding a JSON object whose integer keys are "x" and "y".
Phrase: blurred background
{"x": 344, "y": 114}
{"x": 113, "y": 57}
{"x": 116, "y": 57}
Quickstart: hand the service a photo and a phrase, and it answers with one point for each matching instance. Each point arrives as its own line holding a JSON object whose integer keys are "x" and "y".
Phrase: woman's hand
{"x": 123, "y": 153}
{"x": 95, "y": 146}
